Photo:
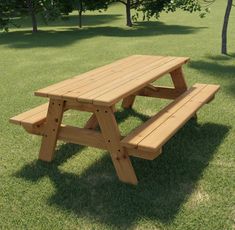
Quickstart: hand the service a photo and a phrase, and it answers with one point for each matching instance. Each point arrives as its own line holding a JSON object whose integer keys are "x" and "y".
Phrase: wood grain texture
{"x": 35, "y": 115}
{"x": 106, "y": 85}
{"x": 128, "y": 102}
{"x": 130, "y": 86}
{"x": 159, "y": 92}
{"x": 178, "y": 79}
{"x": 84, "y": 77}
{"x": 111, "y": 134}
{"x": 52, "y": 125}
{"x": 156, "y": 131}
{"x": 81, "y": 136}
{"x": 144, "y": 154}
{"x": 92, "y": 122}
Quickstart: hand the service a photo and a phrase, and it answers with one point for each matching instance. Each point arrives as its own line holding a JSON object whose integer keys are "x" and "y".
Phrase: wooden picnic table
{"x": 98, "y": 90}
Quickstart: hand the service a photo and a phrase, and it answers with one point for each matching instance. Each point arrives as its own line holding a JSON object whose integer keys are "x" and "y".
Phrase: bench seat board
{"x": 156, "y": 131}
{"x": 31, "y": 117}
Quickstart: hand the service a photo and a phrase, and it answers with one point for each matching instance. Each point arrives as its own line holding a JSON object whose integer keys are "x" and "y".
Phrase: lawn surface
{"x": 190, "y": 186}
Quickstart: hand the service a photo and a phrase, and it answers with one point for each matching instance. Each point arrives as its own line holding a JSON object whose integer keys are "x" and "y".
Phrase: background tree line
{"x": 52, "y": 9}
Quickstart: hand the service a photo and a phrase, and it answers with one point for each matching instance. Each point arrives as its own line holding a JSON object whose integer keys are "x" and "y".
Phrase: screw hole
{"x": 105, "y": 111}
{"x": 117, "y": 158}
{"x": 109, "y": 141}
{"x": 56, "y": 120}
{"x": 54, "y": 130}
{"x": 97, "y": 110}
{"x": 119, "y": 150}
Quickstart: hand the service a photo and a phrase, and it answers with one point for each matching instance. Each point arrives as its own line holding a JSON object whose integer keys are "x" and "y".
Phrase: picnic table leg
{"x": 53, "y": 121}
{"x": 111, "y": 134}
{"x": 178, "y": 79}
{"x": 179, "y": 82}
{"x": 92, "y": 122}
{"x": 128, "y": 102}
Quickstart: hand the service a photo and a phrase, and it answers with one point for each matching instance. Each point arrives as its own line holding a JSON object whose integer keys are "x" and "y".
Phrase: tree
{"x": 6, "y": 12}
{"x": 153, "y": 8}
{"x": 31, "y": 6}
{"x": 129, "y": 4}
{"x": 81, "y": 6}
{"x": 84, "y": 5}
{"x": 48, "y": 9}
{"x": 225, "y": 26}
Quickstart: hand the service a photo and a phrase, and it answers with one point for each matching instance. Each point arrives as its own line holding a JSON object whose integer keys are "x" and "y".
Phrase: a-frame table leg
{"x": 53, "y": 122}
{"x": 128, "y": 102}
{"x": 111, "y": 134}
{"x": 178, "y": 80}
{"x": 92, "y": 122}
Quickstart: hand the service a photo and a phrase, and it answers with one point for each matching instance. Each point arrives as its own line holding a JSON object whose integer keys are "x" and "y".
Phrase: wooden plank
{"x": 134, "y": 73}
{"x": 144, "y": 155}
{"x": 167, "y": 129}
{"x": 159, "y": 92}
{"x": 53, "y": 121}
{"x": 103, "y": 69}
{"x": 128, "y": 102}
{"x": 97, "y": 86}
{"x": 178, "y": 79}
{"x": 74, "y": 135}
{"x": 75, "y": 105}
{"x": 111, "y": 134}
{"x": 92, "y": 122}
{"x": 137, "y": 135}
{"x": 128, "y": 88}
{"x": 82, "y": 136}
{"x": 83, "y": 85}
{"x": 28, "y": 114}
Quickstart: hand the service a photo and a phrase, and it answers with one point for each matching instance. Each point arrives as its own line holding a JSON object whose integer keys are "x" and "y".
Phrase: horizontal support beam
{"x": 91, "y": 138}
{"x": 74, "y": 135}
{"x": 82, "y": 136}
{"x": 143, "y": 154}
{"x": 159, "y": 92}
{"x": 79, "y": 106}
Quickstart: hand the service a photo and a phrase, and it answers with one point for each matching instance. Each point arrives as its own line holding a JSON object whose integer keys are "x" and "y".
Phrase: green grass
{"x": 190, "y": 186}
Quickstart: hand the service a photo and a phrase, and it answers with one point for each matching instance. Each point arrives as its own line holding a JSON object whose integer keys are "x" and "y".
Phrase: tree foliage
{"x": 51, "y": 9}
{"x": 9, "y": 9}
{"x": 153, "y": 8}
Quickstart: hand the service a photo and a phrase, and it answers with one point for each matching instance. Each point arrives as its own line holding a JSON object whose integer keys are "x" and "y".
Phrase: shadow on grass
{"x": 56, "y": 38}
{"x": 164, "y": 184}
{"x": 221, "y": 57}
{"x": 69, "y": 21}
{"x": 218, "y": 69}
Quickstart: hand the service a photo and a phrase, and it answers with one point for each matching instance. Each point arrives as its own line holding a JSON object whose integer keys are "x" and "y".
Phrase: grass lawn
{"x": 190, "y": 186}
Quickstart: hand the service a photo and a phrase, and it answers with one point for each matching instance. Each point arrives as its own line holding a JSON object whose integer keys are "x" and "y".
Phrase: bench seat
{"x": 32, "y": 117}
{"x": 152, "y": 135}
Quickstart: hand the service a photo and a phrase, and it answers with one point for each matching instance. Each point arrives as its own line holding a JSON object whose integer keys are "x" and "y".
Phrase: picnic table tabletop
{"x": 108, "y": 84}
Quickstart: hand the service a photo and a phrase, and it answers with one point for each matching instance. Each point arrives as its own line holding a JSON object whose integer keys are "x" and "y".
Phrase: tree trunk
{"x": 32, "y": 15}
{"x": 80, "y": 9}
{"x": 225, "y": 27}
{"x": 128, "y": 13}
